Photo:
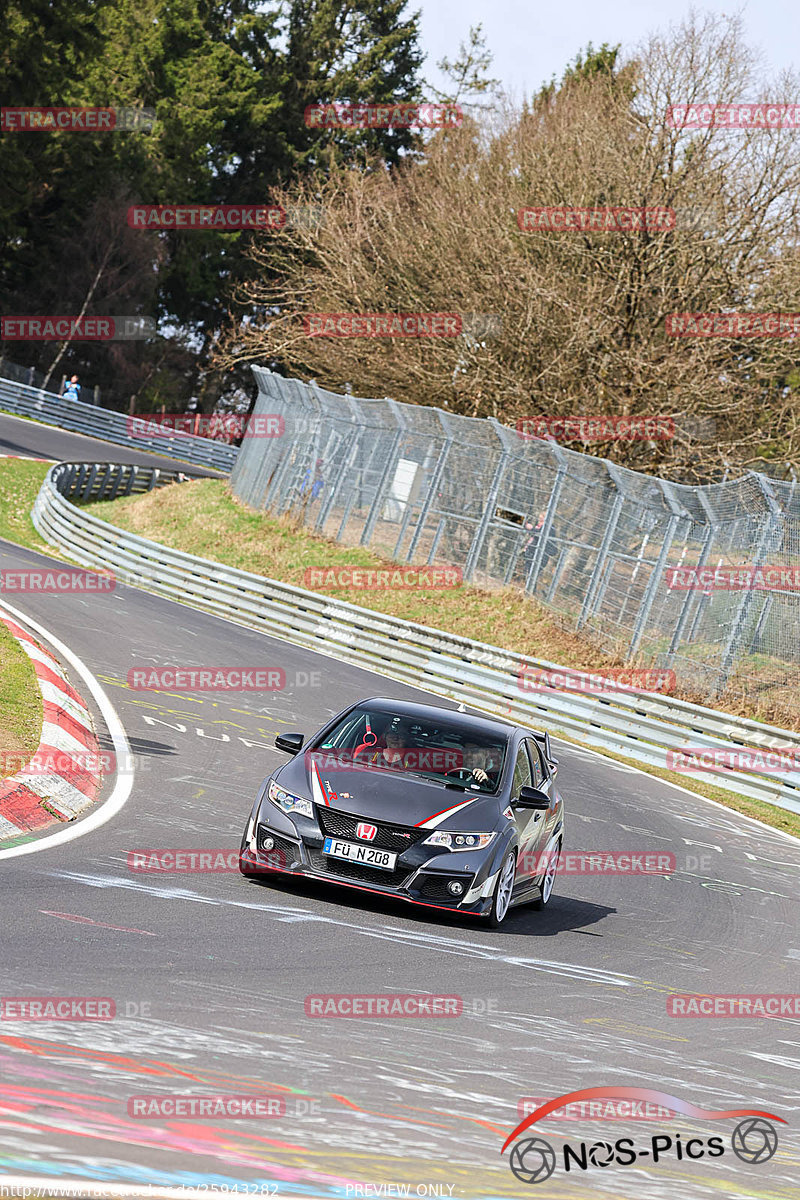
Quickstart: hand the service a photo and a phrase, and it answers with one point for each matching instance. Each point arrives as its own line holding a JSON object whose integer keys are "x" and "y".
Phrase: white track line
{"x": 124, "y": 783}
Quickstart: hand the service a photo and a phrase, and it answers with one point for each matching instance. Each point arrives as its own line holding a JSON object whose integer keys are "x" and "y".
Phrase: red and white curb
{"x": 63, "y": 777}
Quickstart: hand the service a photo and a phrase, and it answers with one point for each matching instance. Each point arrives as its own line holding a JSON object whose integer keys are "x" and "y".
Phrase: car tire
{"x": 247, "y": 870}
{"x": 503, "y": 890}
{"x": 548, "y": 879}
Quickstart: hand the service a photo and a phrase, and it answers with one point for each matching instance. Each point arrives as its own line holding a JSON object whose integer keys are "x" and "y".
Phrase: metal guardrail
{"x": 642, "y": 726}
{"x": 77, "y": 417}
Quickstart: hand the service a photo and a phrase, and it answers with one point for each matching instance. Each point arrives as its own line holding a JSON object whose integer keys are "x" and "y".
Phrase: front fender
{"x": 508, "y": 840}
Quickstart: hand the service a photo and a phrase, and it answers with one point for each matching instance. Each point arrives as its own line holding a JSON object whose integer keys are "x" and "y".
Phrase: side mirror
{"x": 553, "y": 765}
{"x": 531, "y": 797}
{"x": 292, "y": 743}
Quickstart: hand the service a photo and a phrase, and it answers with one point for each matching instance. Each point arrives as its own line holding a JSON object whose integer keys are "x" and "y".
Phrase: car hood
{"x": 391, "y": 796}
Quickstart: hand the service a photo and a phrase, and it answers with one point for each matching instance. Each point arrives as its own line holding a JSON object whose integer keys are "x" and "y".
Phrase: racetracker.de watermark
{"x": 206, "y": 216}
{"x": 747, "y": 577}
{"x": 58, "y": 762}
{"x": 163, "y": 861}
{"x": 732, "y": 325}
{"x": 377, "y": 325}
{"x": 598, "y": 428}
{"x": 600, "y": 862}
{"x": 66, "y": 581}
{"x": 743, "y": 1004}
{"x": 207, "y": 679}
{"x": 57, "y": 1008}
{"x": 404, "y": 758}
{"x": 372, "y": 115}
{"x": 478, "y": 327}
{"x": 609, "y": 679}
{"x": 596, "y": 220}
{"x": 350, "y": 1005}
{"x": 76, "y": 120}
{"x": 209, "y": 1108}
{"x": 391, "y": 579}
{"x": 777, "y": 759}
{"x": 596, "y": 1110}
{"x": 234, "y": 425}
{"x": 760, "y": 115}
{"x": 54, "y": 328}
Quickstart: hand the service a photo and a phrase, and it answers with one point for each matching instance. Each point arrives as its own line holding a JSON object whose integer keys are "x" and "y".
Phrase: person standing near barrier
{"x": 73, "y": 389}
{"x": 529, "y": 547}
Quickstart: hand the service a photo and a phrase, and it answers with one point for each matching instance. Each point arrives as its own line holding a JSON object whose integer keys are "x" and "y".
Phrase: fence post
{"x": 600, "y": 594}
{"x": 678, "y": 514}
{"x": 348, "y": 507}
{"x": 290, "y": 483}
{"x": 771, "y": 534}
{"x": 762, "y": 620}
{"x": 253, "y": 474}
{"x": 350, "y": 452}
{"x": 611, "y": 528}
{"x": 388, "y": 475}
{"x": 552, "y": 504}
{"x": 705, "y": 551}
{"x": 554, "y": 582}
{"x": 476, "y": 548}
{"x": 277, "y": 493}
{"x": 433, "y": 485}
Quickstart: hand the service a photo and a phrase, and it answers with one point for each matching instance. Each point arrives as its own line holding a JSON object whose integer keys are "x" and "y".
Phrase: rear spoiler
{"x": 543, "y": 740}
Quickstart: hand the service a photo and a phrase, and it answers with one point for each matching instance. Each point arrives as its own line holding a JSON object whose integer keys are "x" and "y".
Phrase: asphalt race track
{"x": 209, "y": 971}
{"x": 29, "y": 439}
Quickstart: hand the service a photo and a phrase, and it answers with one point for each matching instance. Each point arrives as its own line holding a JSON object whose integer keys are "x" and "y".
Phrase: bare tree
{"x": 582, "y": 315}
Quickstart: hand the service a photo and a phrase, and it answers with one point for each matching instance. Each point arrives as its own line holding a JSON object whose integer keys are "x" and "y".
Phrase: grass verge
{"x": 20, "y": 706}
{"x": 203, "y": 518}
{"x": 20, "y": 480}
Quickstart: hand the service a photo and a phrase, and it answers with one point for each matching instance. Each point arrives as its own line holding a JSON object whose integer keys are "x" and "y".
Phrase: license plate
{"x": 383, "y": 859}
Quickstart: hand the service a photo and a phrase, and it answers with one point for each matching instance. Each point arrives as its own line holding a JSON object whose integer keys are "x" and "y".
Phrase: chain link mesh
{"x": 590, "y": 540}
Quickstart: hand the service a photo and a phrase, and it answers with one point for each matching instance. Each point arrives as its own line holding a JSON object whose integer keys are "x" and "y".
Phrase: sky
{"x": 531, "y": 41}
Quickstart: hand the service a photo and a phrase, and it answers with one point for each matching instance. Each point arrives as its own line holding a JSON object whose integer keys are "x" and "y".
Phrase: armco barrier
{"x": 642, "y": 726}
{"x": 77, "y": 417}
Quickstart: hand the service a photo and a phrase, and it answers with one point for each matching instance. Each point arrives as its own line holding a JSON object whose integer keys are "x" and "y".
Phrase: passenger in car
{"x": 396, "y": 752}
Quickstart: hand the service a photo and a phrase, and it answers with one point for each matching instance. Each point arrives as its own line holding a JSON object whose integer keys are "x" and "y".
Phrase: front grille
{"x": 388, "y": 837}
{"x": 358, "y": 872}
{"x": 434, "y": 887}
{"x": 284, "y": 852}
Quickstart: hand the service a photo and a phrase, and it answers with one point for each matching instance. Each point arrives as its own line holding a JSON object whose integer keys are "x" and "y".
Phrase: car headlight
{"x": 287, "y": 802}
{"x": 459, "y": 841}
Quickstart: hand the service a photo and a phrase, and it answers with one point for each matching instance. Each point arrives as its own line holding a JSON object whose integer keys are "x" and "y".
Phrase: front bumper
{"x": 417, "y": 882}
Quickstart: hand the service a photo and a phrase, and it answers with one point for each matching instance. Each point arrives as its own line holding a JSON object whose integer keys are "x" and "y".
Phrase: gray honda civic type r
{"x": 421, "y": 803}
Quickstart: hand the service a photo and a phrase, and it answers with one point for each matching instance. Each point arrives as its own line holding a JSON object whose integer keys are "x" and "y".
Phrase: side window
{"x": 539, "y": 773}
{"x": 522, "y": 772}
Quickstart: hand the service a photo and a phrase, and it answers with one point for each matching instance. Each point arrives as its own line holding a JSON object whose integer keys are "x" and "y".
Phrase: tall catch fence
{"x": 592, "y": 541}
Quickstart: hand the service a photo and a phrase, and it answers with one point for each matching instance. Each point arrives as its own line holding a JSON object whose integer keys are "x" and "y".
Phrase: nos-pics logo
{"x": 533, "y": 1160}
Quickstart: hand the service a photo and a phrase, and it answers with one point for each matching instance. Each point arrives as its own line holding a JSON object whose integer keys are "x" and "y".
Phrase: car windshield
{"x": 446, "y": 751}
